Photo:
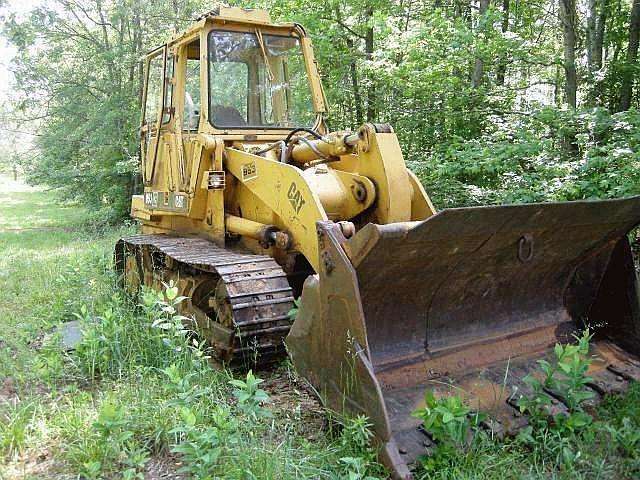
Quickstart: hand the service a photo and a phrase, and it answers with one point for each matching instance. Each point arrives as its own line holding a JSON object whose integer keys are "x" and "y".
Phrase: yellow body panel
{"x": 283, "y": 189}
{"x": 337, "y": 189}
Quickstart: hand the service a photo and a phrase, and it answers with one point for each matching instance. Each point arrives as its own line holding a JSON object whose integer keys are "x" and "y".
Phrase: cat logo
{"x": 249, "y": 171}
{"x": 295, "y": 197}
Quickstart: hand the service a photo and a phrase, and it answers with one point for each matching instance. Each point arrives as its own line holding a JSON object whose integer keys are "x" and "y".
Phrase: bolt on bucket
{"x": 464, "y": 302}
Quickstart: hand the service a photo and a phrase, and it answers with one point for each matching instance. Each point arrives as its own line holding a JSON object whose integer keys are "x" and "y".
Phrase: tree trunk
{"x": 598, "y": 38}
{"x": 137, "y": 25}
{"x": 592, "y": 6}
{"x": 355, "y": 84}
{"x": 107, "y": 44}
{"x": 357, "y": 106}
{"x": 457, "y": 10}
{"x": 502, "y": 66}
{"x": 369, "y": 49}
{"x": 176, "y": 16}
{"x": 626, "y": 90}
{"x": 596, "y": 20}
{"x": 567, "y": 13}
{"x": 556, "y": 88}
{"x": 478, "y": 70}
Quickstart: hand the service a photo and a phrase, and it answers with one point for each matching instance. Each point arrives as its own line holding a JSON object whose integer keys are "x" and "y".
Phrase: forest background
{"x": 494, "y": 101}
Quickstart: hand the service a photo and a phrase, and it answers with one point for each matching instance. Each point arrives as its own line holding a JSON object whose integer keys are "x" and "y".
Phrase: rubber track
{"x": 257, "y": 287}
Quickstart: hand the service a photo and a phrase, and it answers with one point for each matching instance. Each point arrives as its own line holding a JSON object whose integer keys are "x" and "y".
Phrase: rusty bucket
{"x": 464, "y": 302}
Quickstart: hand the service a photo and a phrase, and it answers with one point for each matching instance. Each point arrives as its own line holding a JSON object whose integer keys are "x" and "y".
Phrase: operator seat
{"x": 226, "y": 116}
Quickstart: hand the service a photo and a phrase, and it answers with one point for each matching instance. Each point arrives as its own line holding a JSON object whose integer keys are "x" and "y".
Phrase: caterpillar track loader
{"x": 250, "y": 203}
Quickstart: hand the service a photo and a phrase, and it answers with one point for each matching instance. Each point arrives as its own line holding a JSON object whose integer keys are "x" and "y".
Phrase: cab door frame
{"x": 150, "y": 136}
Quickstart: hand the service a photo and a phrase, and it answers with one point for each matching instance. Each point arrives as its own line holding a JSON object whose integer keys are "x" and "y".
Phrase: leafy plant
{"x": 201, "y": 446}
{"x": 91, "y": 470}
{"x": 186, "y": 386}
{"x": 111, "y": 424}
{"x": 109, "y": 445}
{"x": 121, "y": 339}
{"x": 165, "y": 305}
{"x": 134, "y": 462}
{"x": 566, "y": 377}
{"x": 355, "y": 468}
{"x": 357, "y": 458}
{"x": 250, "y": 397}
{"x": 569, "y": 376}
{"x": 627, "y": 436}
{"x": 448, "y": 419}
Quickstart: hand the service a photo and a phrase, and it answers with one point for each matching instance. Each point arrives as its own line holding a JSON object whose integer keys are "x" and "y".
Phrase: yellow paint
{"x": 336, "y": 191}
{"x": 284, "y": 190}
{"x": 370, "y": 181}
{"x": 421, "y": 206}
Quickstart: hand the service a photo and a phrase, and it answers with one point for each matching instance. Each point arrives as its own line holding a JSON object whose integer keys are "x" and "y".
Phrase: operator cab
{"x": 232, "y": 73}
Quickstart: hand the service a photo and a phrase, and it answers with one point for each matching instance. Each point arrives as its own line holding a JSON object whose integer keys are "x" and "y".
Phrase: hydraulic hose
{"x": 302, "y": 129}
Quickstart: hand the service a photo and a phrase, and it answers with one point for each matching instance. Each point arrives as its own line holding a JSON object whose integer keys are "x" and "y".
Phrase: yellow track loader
{"x": 250, "y": 203}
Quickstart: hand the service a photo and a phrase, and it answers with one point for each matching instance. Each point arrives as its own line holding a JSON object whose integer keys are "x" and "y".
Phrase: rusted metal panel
{"x": 626, "y": 370}
{"x": 460, "y": 277}
{"x": 464, "y": 303}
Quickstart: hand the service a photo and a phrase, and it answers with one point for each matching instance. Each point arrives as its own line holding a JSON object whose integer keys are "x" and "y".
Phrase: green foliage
{"x": 121, "y": 339}
{"x": 250, "y": 398}
{"x": 112, "y": 448}
{"x": 448, "y": 419}
{"x": 626, "y": 436}
{"x": 185, "y": 386}
{"x": 452, "y": 426}
{"x": 202, "y": 446}
{"x": 551, "y": 155}
{"x": 566, "y": 377}
{"x": 293, "y": 313}
{"x": 83, "y": 62}
{"x": 15, "y": 424}
{"x": 358, "y": 460}
{"x": 502, "y": 137}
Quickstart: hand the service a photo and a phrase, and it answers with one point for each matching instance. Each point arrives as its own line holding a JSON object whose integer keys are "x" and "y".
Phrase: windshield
{"x": 257, "y": 81}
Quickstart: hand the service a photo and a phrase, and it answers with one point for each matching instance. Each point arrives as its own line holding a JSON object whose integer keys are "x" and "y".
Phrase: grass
{"x": 135, "y": 401}
{"x": 132, "y": 398}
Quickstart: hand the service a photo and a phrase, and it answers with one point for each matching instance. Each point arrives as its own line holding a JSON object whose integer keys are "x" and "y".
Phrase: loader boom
{"x": 250, "y": 203}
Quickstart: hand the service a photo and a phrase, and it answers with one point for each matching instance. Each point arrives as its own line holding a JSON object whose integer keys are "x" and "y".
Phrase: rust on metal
{"x": 465, "y": 303}
{"x": 240, "y": 300}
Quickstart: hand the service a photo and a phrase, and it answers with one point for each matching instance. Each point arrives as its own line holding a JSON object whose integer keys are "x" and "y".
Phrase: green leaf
{"x": 172, "y": 293}
{"x": 188, "y": 417}
{"x": 447, "y": 417}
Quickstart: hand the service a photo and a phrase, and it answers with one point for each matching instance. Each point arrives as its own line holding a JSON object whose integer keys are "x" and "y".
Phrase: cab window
{"x": 191, "y": 117}
{"x": 257, "y": 81}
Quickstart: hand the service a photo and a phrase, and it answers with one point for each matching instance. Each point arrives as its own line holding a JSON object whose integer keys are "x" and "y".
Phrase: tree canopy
{"x": 493, "y": 101}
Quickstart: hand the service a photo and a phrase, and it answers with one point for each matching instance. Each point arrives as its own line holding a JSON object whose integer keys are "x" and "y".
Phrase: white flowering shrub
{"x": 551, "y": 155}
